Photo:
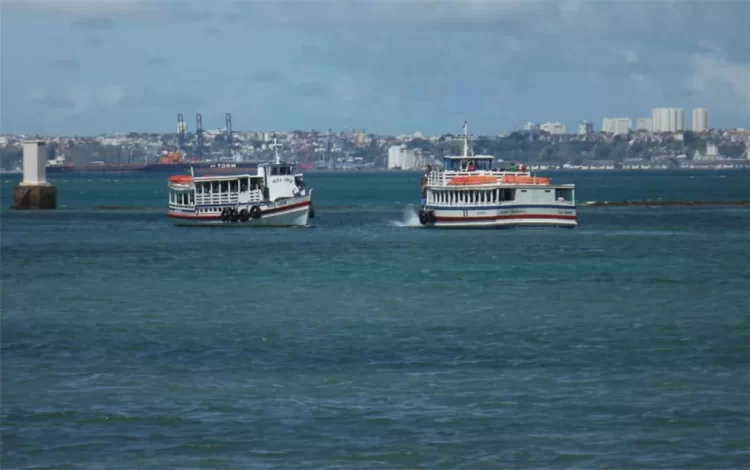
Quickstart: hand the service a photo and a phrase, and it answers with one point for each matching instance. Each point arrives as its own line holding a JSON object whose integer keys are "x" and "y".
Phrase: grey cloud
{"x": 94, "y": 24}
{"x": 212, "y": 31}
{"x": 68, "y": 64}
{"x": 53, "y": 102}
{"x": 164, "y": 100}
{"x": 82, "y": 8}
{"x": 188, "y": 12}
{"x": 267, "y": 77}
{"x": 311, "y": 90}
{"x": 156, "y": 62}
{"x": 93, "y": 41}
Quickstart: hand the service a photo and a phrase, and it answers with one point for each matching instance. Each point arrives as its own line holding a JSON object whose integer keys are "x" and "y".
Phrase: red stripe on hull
{"x": 176, "y": 215}
{"x": 283, "y": 208}
{"x": 505, "y": 217}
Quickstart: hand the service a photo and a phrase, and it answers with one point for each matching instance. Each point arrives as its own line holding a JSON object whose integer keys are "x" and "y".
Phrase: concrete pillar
{"x": 34, "y": 192}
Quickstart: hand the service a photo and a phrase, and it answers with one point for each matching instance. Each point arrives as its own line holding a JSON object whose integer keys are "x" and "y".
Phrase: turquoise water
{"x": 364, "y": 342}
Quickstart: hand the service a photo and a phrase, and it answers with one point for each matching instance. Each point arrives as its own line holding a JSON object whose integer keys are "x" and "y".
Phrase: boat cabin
{"x": 468, "y": 163}
{"x": 272, "y": 182}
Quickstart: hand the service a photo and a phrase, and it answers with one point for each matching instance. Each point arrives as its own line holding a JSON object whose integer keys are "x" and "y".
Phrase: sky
{"x": 85, "y": 67}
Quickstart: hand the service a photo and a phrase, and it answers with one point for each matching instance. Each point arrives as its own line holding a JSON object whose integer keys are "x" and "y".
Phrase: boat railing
{"x": 462, "y": 197}
{"x": 446, "y": 178}
{"x": 227, "y": 198}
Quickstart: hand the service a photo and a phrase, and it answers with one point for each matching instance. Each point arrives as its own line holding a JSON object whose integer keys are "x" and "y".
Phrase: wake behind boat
{"x": 272, "y": 196}
{"x": 469, "y": 192}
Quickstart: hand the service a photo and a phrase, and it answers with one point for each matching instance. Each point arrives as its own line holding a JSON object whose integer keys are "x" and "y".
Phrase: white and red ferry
{"x": 272, "y": 196}
{"x": 470, "y": 192}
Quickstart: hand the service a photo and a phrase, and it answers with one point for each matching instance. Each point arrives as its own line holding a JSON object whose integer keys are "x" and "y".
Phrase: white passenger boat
{"x": 272, "y": 196}
{"x": 470, "y": 192}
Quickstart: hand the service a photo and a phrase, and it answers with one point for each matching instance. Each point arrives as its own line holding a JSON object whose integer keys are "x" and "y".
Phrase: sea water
{"x": 368, "y": 341}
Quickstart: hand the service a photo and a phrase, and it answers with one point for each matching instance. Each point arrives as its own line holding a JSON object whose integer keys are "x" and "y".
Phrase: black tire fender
{"x": 225, "y": 214}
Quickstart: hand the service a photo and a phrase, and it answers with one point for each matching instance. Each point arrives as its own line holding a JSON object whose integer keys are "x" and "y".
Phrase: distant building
{"x": 617, "y": 126}
{"x": 585, "y": 128}
{"x": 667, "y": 120}
{"x": 700, "y": 120}
{"x": 644, "y": 124}
{"x": 531, "y": 126}
{"x": 712, "y": 153}
{"x": 554, "y": 128}
{"x": 401, "y": 157}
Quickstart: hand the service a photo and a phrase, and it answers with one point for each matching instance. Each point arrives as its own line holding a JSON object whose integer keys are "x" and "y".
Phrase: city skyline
{"x": 85, "y": 67}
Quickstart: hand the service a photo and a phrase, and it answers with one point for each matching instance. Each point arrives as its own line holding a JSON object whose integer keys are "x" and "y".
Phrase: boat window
{"x": 243, "y": 184}
{"x": 224, "y": 186}
{"x": 199, "y": 189}
{"x": 233, "y": 186}
{"x": 564, "y": 195}
{"x": 191, "y": 197}
{"x": 274, "y": 170}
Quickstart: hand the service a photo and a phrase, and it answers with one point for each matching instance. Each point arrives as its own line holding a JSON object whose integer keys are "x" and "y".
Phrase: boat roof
{"x": 276, "y": 163}
{"x": 231, "y": 176}
{"x": 468, "y": 157}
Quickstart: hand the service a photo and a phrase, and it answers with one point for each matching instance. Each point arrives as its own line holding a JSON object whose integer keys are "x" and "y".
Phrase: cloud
{"x": 109, "y": 95}
{"x": 68, "y": 64}
{"x": 156, "y": 62}
{"x": 40, "y": 98}
{"x": 161, "y": 99}
{"x": 94, "y": 23}
{"x": 361, "y": 12}
{"x": 77, "y": 98}
{"x": 211, "y": 31}
{"x": 82, "y": 8}
{"x": 711, "y": 72}
{"x": 631, "y": 57}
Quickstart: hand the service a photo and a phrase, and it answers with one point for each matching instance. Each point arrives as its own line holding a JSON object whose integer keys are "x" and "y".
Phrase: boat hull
{"x": 509, "y": 216}
{"x": 292, "y": 212}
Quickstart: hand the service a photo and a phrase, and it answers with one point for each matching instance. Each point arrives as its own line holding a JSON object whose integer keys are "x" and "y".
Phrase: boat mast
{"x": 466, "y": 138}
{"x": 276, "y": 159}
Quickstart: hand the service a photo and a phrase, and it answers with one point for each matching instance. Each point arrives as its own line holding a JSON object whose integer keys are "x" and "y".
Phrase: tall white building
{"x": 700, "y": 120}
{"x": 585, "y": 128}
{"x": 401, "y": 157}
{"x": 667, "y": 119}
{"x": 617, "y": 126}
{"x": 554, "y": 128}
{"x": 531, "y": 126}
{"x": 644, "y": 124}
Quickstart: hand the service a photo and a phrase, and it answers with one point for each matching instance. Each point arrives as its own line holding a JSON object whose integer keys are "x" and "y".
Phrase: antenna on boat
{"x": 192, "y": 173}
